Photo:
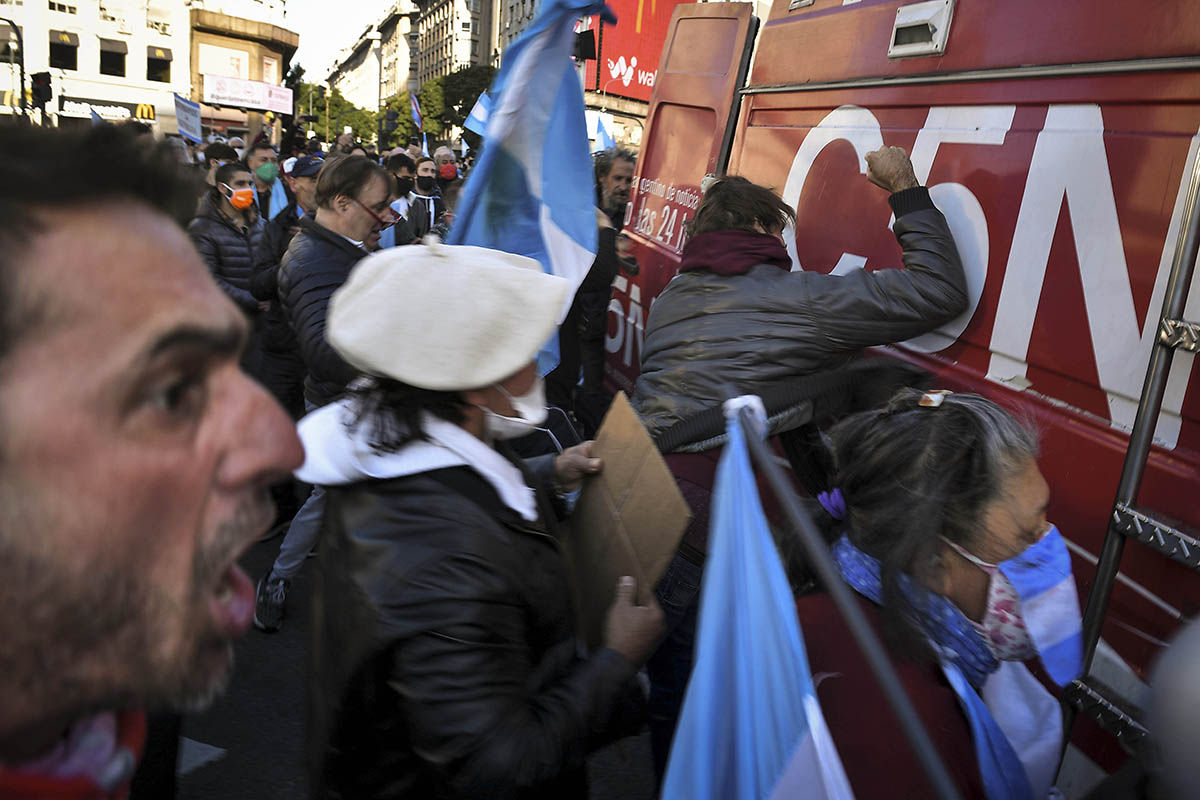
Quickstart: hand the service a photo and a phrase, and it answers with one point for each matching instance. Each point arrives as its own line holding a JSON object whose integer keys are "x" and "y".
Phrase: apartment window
{"x": 158, "y": 64}
{"x": 62, "y": 7}
{"x": 8, "y": 44}
{"x": 466, "y": 26}
{"x": 112, "y": 57}
{"x": 64, "y": 50}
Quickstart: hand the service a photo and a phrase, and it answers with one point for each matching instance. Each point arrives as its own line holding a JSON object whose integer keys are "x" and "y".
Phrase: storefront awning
{"x": 161, "y": 53}
{"x": 113, "y": 46}
{"x": 64, "y": 37}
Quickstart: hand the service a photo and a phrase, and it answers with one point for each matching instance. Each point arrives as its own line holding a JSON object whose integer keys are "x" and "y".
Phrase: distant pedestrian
{"x": 352, "y": 199}
{"x": 427, "y": 211}
{"x": 227, "y": 232}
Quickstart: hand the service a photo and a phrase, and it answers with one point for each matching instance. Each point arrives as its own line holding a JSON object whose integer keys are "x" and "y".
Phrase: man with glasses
{"x": 352, "y": 198}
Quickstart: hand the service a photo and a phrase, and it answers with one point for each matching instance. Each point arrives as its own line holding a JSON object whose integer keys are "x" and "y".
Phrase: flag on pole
{"x": 477, "y": 119}
{"x": 465, "y": 148}
{"x": 424, "y": 144}
{"x": 751, "y": 728}
{"x": 531, "y": 191}
{"x": 417, "y": 117}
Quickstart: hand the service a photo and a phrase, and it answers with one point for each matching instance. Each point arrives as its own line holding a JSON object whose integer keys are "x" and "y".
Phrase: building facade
{"x": 509, "y": 20}
{"x": 244, "y": 50}
{"x": 123, "y": 59}
{"x": 452, "y": 34}
{"x": 381, "y": 61}
{"x": 126, "y": 59}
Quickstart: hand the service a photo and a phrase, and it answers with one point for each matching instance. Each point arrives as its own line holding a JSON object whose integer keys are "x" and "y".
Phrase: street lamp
{"x": 376, "y": 37}
{"x": 12, "y": 26}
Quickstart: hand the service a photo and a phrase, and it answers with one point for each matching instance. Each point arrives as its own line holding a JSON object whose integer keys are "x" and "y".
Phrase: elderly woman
{"x": 939, "y": 523}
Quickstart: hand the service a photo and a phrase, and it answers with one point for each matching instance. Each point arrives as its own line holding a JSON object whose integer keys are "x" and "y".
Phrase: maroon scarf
{"x": 733, "y": 252}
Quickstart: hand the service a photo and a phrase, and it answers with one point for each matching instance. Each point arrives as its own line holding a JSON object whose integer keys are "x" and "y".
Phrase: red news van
{"x": 1059, "y": 139}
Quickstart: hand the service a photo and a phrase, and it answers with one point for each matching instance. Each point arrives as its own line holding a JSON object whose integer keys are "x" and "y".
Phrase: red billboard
{"x": 627, "y": 53}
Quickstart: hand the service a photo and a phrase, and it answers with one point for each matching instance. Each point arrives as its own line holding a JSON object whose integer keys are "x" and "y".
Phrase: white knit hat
{"x": 444, "y": 317}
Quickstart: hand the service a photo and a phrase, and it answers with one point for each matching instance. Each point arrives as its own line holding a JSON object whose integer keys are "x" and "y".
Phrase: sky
{"x": 327, "y": 26}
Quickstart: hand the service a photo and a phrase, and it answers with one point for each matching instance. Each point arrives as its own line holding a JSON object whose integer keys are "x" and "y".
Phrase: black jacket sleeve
{"x": 264, "y": 284}
{"x": 310, "y": 292}
{"x": 862, "y": 308}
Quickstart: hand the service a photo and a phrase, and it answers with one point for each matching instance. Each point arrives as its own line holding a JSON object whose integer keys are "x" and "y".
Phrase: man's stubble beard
{"x": 84, "y": 640}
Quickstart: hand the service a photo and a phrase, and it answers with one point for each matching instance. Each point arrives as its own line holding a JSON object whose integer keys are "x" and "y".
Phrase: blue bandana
{"x": 963, "y": 654}
{"x": 947, "y": 627}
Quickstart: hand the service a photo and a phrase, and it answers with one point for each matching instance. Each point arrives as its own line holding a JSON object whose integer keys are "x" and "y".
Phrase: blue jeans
{"x": 302, "y": 534}
{"x": 671, "y": 665}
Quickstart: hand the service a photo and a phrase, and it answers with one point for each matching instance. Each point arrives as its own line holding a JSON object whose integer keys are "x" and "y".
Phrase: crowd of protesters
{"x": 177, "y": 344}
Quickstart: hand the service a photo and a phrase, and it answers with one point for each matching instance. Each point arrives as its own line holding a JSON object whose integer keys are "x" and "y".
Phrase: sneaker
{"x": 270, "y": 601}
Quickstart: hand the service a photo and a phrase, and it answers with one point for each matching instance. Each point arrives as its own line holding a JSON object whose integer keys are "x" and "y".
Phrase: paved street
{"x": 249, "y": 745}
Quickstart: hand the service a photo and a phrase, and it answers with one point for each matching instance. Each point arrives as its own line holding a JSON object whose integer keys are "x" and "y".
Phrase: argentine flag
{"x": 477, "y": 119}
{"x": 751, "y": 728}
{"x": 417, "y": 117}
{"x": 531, "y": 191}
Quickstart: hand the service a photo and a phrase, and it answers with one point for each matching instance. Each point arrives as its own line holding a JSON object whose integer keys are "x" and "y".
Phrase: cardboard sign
{"x": 628, "y": 521}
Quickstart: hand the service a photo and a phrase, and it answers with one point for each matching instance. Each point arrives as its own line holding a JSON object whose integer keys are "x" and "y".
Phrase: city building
{"x": 380, "y": 63}
{"x": 238, "y": 68}
{"x": 122, "y": 59}
{"x": 509, "y": 20}
{"x": 452, "y": 34}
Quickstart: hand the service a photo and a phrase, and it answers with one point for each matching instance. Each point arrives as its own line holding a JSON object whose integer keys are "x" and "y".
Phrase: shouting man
{"x": 135, "y": 457}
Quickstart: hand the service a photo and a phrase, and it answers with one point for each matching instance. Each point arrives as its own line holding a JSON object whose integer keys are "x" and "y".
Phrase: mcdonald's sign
{"x": 108, "y": 110}
{"x": 144, "y": 111}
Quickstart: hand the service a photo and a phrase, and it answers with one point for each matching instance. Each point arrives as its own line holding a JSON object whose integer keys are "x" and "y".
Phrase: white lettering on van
{"x": 984, "y": 125}
{"x": 631, "y": 326}
{"x": 1069, "y": 161}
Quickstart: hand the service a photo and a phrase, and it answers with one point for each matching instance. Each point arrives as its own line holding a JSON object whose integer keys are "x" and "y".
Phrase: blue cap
{"x": 306, "y": 167}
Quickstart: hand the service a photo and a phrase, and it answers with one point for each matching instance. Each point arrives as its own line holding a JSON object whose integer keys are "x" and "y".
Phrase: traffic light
{"x": 393, "y": 120}
{"x": 41, "y": 89}
{"x": 320, "y": 92}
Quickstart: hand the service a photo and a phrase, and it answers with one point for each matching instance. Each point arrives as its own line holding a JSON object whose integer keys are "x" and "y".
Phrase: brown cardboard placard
{"x": 628, "y": 521}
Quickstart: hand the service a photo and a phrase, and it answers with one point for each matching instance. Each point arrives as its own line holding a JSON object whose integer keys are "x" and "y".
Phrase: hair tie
{"x": 834, "y": 503}
{"x": 934, "y": 399}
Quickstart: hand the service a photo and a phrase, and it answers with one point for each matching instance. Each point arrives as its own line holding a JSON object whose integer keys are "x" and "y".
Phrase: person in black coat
{"x": 352, "y": 199}
{"x": 227, "y": 231}
{"x": 445, "y": 658}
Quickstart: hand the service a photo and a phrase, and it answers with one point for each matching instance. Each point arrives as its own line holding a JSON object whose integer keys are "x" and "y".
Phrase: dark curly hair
{"x": 391, "y": 411}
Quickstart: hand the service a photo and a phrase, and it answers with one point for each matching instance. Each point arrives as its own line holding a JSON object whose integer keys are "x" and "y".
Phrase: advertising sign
{"x": 627, "y": 53}
{"x": 107, "y": 110}
{"x": 222, "y": 91}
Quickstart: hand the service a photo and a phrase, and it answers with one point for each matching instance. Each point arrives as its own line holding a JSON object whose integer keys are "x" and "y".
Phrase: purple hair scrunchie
{"x": 834, "y": 503}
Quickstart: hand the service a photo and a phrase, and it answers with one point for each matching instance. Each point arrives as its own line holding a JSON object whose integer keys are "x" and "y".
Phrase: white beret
{"x": 444, "y": 317}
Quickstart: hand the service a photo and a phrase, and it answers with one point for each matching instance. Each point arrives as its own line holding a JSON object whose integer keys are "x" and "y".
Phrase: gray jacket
{"x": 711, "y": 337}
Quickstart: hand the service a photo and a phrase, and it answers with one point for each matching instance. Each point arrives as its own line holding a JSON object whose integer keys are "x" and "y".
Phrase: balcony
{"x": 160, "y": 26}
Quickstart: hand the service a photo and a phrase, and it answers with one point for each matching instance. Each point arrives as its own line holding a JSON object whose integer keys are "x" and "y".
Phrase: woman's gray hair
{"x": 911, "y": 473}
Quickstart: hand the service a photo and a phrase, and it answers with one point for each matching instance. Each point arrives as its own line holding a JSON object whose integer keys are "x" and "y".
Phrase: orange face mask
{"x": 241, "y": 199}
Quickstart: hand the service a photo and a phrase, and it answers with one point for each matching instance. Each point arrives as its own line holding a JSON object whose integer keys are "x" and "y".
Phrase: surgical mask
{"x": 531, "y": 413}
{"x": 1033, "y": 607}
{"x": 267, "y": 171}
{"x": 404, "y": 186}
{"x": 425, "y": 183}
{"x": 241, "y": 199}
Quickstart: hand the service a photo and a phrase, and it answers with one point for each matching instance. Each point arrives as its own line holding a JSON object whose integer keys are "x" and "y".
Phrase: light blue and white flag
{"x": 465, "y": 148}
{"x": 97, "y": 119}
{"x": 424, "y": 144}
{"x": 417, "y": 116}
{"x": 603, "y": 136}
{"x": 531, "y": 191}
{"x": 751, "y": 728}
{"x": 477, "y": 119}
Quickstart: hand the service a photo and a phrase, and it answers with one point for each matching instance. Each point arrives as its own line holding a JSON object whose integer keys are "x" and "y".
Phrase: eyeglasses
{"x": 385, "y": 222}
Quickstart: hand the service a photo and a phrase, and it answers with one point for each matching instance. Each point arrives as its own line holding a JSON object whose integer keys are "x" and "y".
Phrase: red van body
{"x": 1058, "y": 138}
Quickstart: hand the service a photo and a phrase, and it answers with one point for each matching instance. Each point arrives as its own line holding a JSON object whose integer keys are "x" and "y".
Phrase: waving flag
{"x": 477, "y": 119}
{"x": 417, "y": 116}
{"x": 531, "y": 191}
{"x": 751, "y": 727}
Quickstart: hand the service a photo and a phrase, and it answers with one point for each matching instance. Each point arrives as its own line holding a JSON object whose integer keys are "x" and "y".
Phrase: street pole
{"x": 20, "y": 63}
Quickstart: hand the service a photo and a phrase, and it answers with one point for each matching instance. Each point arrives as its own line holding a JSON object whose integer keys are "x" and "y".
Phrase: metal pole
{"x": 1142, "y": 435}
{"x": 20, "y": 63}
{"x": 818, "y": 555}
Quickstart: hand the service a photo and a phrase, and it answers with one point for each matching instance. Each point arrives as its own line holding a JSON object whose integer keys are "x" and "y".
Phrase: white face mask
{"x": 531, "y": 413}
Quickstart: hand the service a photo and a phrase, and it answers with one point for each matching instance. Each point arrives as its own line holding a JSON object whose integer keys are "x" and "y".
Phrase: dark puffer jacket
{"x": 316, "y": 263}
{"x": 444, "y": 655}
{"x": 228, "y": 250}
{"x": 710, "y": 337}
{"x": 277, "y": 333}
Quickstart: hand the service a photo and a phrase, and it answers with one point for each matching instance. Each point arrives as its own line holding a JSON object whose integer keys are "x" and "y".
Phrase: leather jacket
{"x": 445, "y": 660}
